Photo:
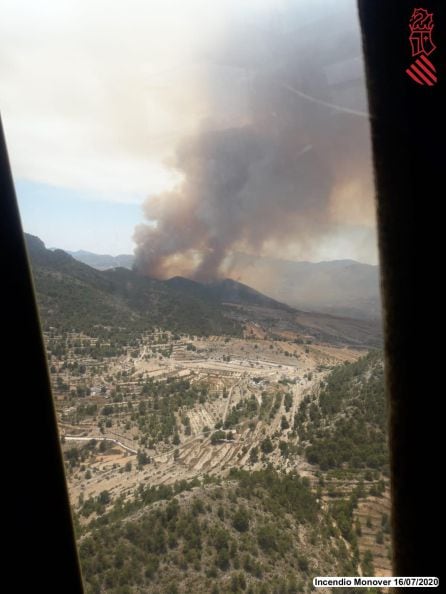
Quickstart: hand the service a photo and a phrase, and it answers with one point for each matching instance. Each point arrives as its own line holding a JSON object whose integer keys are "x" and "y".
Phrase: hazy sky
{"x": 97, "y": 95}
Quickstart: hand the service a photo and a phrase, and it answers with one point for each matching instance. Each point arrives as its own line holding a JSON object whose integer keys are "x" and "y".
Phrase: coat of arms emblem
{"x": 421, "y": 25}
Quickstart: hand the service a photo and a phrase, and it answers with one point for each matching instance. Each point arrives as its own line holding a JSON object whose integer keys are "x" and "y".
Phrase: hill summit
{"x": 73, "y": 295}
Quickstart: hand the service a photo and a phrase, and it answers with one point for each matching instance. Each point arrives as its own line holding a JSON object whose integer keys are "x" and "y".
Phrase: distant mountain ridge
{"x": 103, "y": 261}
{"x": 338, "y": 287}
{"x": 73, "y": 295}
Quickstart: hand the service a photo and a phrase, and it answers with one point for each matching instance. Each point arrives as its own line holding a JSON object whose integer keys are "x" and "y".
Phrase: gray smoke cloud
{"x": 277, "y": 175}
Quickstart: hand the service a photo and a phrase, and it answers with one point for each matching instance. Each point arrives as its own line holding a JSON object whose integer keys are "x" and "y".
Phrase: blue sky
{"x": 74, "y": 219}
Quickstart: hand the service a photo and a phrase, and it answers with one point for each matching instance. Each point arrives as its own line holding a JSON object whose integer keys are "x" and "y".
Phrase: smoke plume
{"x": 276, "y": 162}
